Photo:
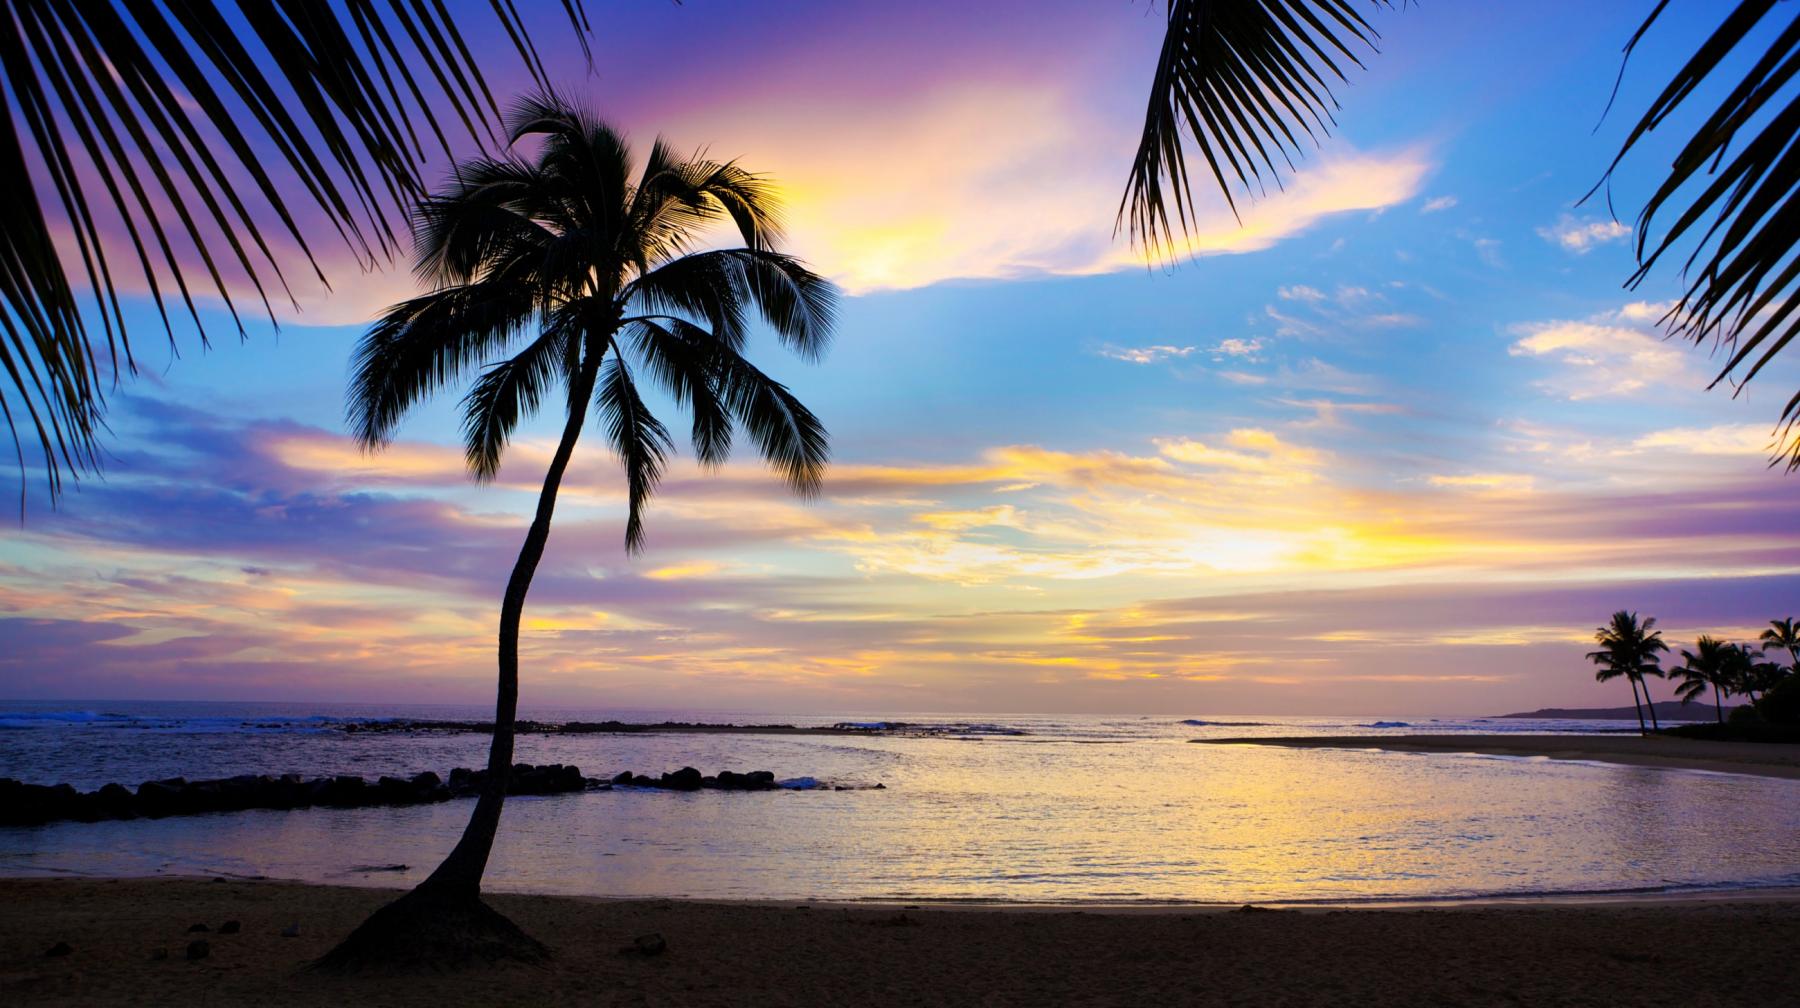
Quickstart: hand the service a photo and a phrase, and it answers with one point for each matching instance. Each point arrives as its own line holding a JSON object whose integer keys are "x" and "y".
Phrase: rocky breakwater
{"x": 690, "y": 779}
{"x": 24, "y": 804}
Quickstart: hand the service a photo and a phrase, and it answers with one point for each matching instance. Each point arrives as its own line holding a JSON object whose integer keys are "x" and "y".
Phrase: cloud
{"x": 1144, "y": 355}
{"x": 1438, "y": 203}
{"x": 1237, "y": 347}
{"x": 1720, "y": 439}
{"x": 1582, "y": 236}
{"x": 1511, "y": 482}
{"x": 1599, "y": 359}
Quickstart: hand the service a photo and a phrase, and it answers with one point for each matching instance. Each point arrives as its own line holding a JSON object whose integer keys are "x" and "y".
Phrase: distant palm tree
{"x": 1785, "y": 635}
{"x": 1629, "y": 648}
{"x": 1247, "y": 85}
{"x": 1761, "y": 677}
{"x": 1710, "y": 665}
{"x": 167, "y": 119}
{"x": 572, "y": 268}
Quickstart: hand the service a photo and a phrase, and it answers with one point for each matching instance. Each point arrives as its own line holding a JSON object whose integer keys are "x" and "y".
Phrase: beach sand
{"x": 1761, "y": 759}
{"x": 1688, "y": 952}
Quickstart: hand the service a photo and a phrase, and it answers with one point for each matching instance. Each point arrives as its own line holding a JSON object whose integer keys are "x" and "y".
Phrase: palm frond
{"x": 420, "y": 345}
{"x": 682, "y": 359}
{"x": 1241, "y": 81}
{"x": 163, "y": 118}
{"x": 1737, "y": 209}
{"x": 705, "y": 287}
{"x": 506, "y": 393}
{"x": 640, "y": 439}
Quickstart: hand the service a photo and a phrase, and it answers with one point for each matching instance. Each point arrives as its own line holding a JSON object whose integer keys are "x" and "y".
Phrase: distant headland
{"x": 1670, "y": 710}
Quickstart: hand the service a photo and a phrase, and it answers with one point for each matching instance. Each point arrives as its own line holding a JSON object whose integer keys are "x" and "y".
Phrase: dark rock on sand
{"x": 291, "y": 931}
{"x": 198, "y": 950}
{"x": 198, "y": 928}
{"x": 230, "y": 927}
{"x": 59, "y": 949}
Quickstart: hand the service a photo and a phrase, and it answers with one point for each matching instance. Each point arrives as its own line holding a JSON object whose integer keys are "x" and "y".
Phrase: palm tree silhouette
{"x": 1785, "y": 635}
{"x": 1247, "y": 84}
{"x": 1629, "y": 648}
{"x": 1711, "y": 664}
{"x": 573, "y": 269}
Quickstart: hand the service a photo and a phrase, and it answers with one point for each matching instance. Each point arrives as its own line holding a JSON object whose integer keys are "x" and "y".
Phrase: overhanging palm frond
{"x": 1242, "y": 81}
{"x": 150, "y": 119}
{"x": 1743, "y": 274}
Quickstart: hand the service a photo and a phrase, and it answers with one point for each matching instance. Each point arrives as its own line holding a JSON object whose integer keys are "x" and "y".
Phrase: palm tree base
{"x": 427, "y": 932}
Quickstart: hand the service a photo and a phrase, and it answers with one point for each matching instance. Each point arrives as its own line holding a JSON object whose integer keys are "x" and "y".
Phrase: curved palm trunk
{"x": 443, "y": 920}
{"x": 459, "y": 876}
{"x": 1642, "y": 730}
{"x": 1718, "y": 704}
{"x": 1655, "y": 725}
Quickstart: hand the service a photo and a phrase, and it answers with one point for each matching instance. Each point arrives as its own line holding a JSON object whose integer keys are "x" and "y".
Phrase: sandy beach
{"x": 1685, "y": 952}
{"x": 1761, "y": 759}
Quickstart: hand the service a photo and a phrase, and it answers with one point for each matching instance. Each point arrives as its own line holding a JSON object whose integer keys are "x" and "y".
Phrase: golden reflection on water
{"x": 1028, "y": 820}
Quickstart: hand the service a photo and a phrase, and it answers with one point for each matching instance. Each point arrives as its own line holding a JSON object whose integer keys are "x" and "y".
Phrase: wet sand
{"x": 1654, "y": 953}
{"x": 1761, "y": 759}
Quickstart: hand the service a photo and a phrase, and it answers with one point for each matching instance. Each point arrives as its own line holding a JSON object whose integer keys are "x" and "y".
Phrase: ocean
{"x": 990, "y": 808}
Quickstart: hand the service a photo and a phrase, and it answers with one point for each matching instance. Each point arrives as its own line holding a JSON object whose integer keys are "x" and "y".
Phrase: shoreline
{"x": 1760, "y": 759}
{"x": 804, "y": 953}
{"x": 1721, "y": 893}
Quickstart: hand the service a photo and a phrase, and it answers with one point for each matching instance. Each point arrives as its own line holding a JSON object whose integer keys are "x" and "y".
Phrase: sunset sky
{"x": 1395, "y": 443}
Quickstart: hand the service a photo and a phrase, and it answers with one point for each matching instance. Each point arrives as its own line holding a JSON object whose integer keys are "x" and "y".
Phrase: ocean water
{"x": 1004, "y": 808}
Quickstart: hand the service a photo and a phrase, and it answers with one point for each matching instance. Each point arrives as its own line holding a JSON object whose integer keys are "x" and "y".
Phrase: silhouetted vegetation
{"x": 574, "y": 269}
{"x": 168, "y": 119}
{"x": 1631, "y": 650}
{"x": 1770, "y": 684}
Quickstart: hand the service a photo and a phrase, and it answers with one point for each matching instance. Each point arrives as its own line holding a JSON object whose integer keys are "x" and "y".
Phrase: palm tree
{"x": 1247, "y": 84}
{"x": 1710, "y": 664}
{"x": 571, "y": 268}
{"x": 1785, "y": 635}
{"x": 167, "y": 118}
{"x": 1629, "y": 648}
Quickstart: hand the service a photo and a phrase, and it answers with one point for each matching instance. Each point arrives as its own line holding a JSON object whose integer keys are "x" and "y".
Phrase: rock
{"x": 230, "y": 927}
{"x": 624, "y": 777}
{"x": 685, "y": 779}
{"x": 649, "y": 945}
{"x": 291, "y": 931}
{"x": 347, "y": 790}
{"x": 761, "y": 778}
{"x": 58, "y": 950}
{"x": 198, "y": 929}
{"x": 115, "y": 801}
{"x": 198, "y": 950}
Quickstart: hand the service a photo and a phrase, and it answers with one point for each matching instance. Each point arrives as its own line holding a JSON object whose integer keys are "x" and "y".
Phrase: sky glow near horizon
{"x": 1395, "y": 443}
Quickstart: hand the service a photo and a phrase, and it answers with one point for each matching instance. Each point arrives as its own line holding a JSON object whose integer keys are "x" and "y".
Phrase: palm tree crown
{"x": 581, "y": 270}
{"x": 1713, "y": 664}
{"x": 1784, "y": 635}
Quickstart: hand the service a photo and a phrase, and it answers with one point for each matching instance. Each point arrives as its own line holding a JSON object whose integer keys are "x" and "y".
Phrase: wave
{"x": 45, "y": 719}
{"x": 1197, "y": 723}
{"x": 1386, "y": 724}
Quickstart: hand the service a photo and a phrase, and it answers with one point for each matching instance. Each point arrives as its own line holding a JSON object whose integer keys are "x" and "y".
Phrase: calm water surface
{"x": 1077, "y": 809}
